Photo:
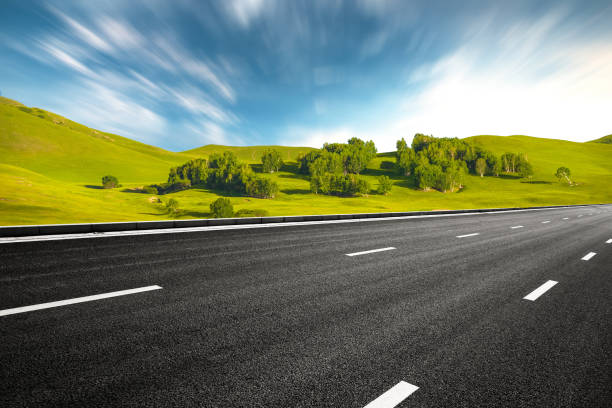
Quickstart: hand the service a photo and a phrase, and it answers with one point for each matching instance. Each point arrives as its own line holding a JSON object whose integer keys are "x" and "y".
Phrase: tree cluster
{"x": 442, "y": 163}
{"x": 516, "y": 163}
{"x": 334, "y": 169}
{"x": 220, "y": 171}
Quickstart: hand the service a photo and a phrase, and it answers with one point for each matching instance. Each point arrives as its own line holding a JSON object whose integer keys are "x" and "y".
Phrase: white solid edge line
{"x": 86, "y": 235}
{"x": 371, "y": 251}
{"x": 49, "y": 305}
{"x": 589, "y": 256}
{"x": 516, "y": 226}
{"x": 545, "y": 222}
{"x": 393, "y": 396}
{"x": 468, "y": 235}
{"x": 540, "y": 291}
{"x": 609, "y": 241}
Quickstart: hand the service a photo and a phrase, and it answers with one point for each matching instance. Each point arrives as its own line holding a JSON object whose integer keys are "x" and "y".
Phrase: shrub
{"x": 387, "y": 165}
{"x": 110, "y": 182}
{"x": 172, "y": 206}
{"x": 338, "y": 184}
{"x": 222, "y": 208}
{"x": 384, "y": 185}
{"x": 261, "y": 188}
{"x": 149, "y": 190}
{"x": 168, "y": 188}
{"x": 244, "y": 212}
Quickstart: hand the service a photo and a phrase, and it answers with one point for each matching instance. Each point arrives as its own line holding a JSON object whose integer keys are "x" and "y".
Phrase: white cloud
{"x": 120, "y": 33}
{"x": 84, "y": 33}
{"x": 66, "y": 59}
{"x": 244, "y": 11}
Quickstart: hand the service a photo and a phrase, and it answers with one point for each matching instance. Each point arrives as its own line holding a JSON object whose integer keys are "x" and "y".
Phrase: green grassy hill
{"x": 605, "y": 139}
{"x": 51, "y": 169}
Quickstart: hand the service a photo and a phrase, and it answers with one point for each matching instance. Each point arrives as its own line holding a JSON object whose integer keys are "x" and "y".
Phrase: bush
{"x": 222, "y": 208}
{"x": 110, "y": 182}
{"x": 384, "y": 185}
{"x": 168, "y": 188}
{"x": 149, "y": 190}
{"x": 244, "y": 212}
{"x": 338, "y": 184}
{"x": 387, "y": 165}
{"x": 261, "y": 188}
{"x": 172, "y": 206}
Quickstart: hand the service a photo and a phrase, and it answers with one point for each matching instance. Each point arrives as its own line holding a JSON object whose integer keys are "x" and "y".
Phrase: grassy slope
{"x": 47, "y": 163}
{"x": 605, "y": 139}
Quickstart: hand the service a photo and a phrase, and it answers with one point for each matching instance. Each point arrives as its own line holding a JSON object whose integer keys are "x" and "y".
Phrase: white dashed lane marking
{"x": 49, "y": 305}
{"x": 589, "y": 256}
{"x": 393, "y": 396}
{"x": 540, "y": 291}
{"x": 371, "y": 251}
{"x": 468, "y": 235}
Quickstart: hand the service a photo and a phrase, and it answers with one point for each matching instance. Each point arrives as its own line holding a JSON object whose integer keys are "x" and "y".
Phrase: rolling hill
{"x": 51, "y": 169}
{"x": 605, "y": 139}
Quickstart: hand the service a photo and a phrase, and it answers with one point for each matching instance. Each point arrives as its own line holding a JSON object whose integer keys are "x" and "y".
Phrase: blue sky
{"x": 184, "y": 73}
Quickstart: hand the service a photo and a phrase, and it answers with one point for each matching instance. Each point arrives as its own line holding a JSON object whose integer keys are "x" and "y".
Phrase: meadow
{"x": 51, "y": 170}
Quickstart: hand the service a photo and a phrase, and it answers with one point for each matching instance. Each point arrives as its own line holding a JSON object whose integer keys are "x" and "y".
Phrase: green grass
{"x": 51, "y": 170}
{"x": 605, "y": 139}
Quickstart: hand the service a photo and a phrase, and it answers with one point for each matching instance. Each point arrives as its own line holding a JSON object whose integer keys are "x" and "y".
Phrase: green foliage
{"x": 338, "y": 184}
{"x": 257, "y": 212}
{"x": 563, "y": 173}
{"x": 481, "y": 166}
{"x": 387, "y": 165}
{"x": 261, "y": 188}
{"x": 405, "y": 158}
{"x": 271, "y": 161}
{"x": 352, "y": 157}
{"x": 110, "y": 182}
{"x": 384, "y": 185}
{"x": 149, "y": 190}
{"x": 222, "y": 208}
{"x": 195, "y": 171}
{"x": 172, "y": 206}
{"x": 167, "y": 188}
{"x": 524, "y": 168}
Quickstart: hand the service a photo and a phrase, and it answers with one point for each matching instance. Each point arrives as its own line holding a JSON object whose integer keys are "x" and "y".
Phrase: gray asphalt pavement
{"x": 282, "y": 317}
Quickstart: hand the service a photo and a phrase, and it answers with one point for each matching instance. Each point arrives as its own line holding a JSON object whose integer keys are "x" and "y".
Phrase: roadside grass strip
{"x": 66, "y": 302}
{"x": 393, "y": 396}
{"x": 589, "y": 256}
{"x": 540, "y": 291}
{"x": 371, "y": 251}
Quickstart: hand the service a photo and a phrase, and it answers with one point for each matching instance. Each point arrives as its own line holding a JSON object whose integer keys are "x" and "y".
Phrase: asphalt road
{"x": 282, "y": 317}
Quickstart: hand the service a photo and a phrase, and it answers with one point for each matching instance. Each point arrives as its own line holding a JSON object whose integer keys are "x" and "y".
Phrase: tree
{"x": 110, "y": 182}
{"x": 172, "y": 206}
{"x": 261, "y": 188}
{"x": 564, "y": 173}
{"x": 481, "y": 166}
{"x": 271, "y": 161}
{"x": 384, "y": 185}
{"x": 523, "y": 167}
{"x": 222, "y": 208}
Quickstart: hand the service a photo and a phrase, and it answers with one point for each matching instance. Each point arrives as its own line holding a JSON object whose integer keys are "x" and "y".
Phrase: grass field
{"x": 51, "y": 169}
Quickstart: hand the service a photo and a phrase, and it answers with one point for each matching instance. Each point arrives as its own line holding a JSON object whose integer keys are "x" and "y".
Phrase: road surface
{"x": 504, "y": 309}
